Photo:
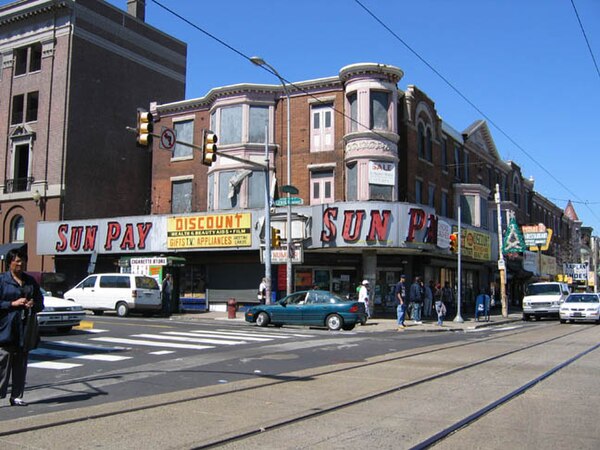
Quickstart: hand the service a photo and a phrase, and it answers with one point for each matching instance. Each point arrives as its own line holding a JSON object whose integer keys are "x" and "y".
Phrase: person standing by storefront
{"x": 401, "y": 301}
{"x": 20, "y": 299}
{"x": 363, "y": 296}
{"x": 417, "y": 295}
{"x": 262, "y": 291}
{"x": 167, "y": 289}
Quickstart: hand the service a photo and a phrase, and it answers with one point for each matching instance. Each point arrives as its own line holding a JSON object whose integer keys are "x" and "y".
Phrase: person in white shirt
{"x": 363, "y": 296}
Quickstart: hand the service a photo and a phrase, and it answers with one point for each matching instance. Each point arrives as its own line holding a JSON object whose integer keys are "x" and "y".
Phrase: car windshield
{"x": 542, "y": 289}
{"x": 582, "y": 298}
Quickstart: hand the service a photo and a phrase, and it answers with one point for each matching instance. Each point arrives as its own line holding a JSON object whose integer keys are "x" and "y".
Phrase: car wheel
{"x": 363, "y": 321}
{"x": 98, "y": 312}
{"x": 122, "y": 309}
{"x": 348, "y": 327}
{"x": 563, "y": 321}
{"x": 262, "y": 320}
{"x": 526, "y": 317}
{"x": 65, "y": 329}
{"x": 334, "y": 322}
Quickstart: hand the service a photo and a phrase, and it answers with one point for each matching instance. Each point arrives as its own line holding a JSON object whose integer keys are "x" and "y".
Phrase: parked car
{"x": 581, "y": 306}
{"x": 120, "y": 292}
{"x": 544, "y": 299}
{"x": 59, "y": 313}
{"x": 315, "y": 307}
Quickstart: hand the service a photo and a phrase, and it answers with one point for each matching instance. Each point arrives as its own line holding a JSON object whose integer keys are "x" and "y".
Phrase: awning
{"x": 5, "y": 248}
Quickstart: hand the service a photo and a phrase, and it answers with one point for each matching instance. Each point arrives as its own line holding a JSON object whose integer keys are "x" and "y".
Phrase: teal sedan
{"x": 315, "y": 308}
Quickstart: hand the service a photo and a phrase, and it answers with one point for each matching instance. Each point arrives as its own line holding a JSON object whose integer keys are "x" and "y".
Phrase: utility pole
{"x": 458, "y": 318}
{"x": 501, "y": 263}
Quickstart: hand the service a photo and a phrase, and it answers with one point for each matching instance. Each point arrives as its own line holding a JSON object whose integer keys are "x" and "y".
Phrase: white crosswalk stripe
{"x": 51, "y": 354}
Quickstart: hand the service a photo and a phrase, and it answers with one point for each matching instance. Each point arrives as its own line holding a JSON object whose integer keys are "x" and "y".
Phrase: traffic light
{"x": 209, "y": 147}
{"x": 144, "y": 128}
{"x": 454, "y": 242}
{"x": 275, "y": 237}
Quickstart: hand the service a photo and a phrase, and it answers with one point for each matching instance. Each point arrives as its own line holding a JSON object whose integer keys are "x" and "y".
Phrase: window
{"x": 483, "y": 206}
{"x": 421, "y": 140}
{"x": 115, "y": 282}
{"x": 28, "y": 59}
{"x": 418, "y": 191}
{"x": 321, "y": 187}
{"x": 431, "y": 196}
{"x": 181, "y": 196}
{"x": 32, "y": 107}
{"x": 516, "y": 188}
{"x": 184, "y": 131}
{"x": 21, "y": 181}
{"x": 18, "y": 105}
{"x": 444, "y": 206}
{"x": 379, "y": 110}
{"x": 256, "y": 189}
{"x": 456, "y": 162}
{"x": 466, "y": 165}
{"x": 17, "y": 229}
{"x": 467, "y": 212}
{"x": 321, "y": 128}
{"x": 428, "y": 146}
{"x": 353, "y": 101}
{"x": 89, "y": 282}
{"x": 230, "y": 130}
{"x": 444, "y": 156}
{"x": 259, "y": 119}
{"x": 351, "y": 182}
{"x": 228, "y": 193}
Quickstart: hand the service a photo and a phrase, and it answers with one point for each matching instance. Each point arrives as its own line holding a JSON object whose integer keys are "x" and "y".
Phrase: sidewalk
{"x": 377, "y": 323}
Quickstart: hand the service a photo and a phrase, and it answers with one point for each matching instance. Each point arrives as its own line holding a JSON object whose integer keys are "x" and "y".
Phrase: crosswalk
{"x": 103, "y": 348}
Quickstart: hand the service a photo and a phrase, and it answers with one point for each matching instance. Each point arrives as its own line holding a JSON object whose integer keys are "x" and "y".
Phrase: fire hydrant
{"x": 231, "y": 308}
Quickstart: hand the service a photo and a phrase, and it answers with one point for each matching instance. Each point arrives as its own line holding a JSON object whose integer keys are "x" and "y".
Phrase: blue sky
{"x": 524, "y": 64}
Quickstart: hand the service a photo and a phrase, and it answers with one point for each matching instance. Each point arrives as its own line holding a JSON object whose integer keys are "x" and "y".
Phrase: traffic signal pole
{"x": 458, "y": 317}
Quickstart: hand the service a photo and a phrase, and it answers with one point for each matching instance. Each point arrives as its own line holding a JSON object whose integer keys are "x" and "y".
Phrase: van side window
{"x": 115, "y": 281}
{"x": 88, "y": 282}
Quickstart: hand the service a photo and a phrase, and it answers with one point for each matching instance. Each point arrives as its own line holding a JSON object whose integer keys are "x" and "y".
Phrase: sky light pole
{"x": 288, "y": 225}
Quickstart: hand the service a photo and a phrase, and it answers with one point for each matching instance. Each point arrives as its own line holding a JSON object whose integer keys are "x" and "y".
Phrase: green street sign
{"x": 285, "y": 201}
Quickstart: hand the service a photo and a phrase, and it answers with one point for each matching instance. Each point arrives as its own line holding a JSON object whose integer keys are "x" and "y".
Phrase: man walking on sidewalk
{"x": 401, "y": 301}
{"x": 417, "y": 295}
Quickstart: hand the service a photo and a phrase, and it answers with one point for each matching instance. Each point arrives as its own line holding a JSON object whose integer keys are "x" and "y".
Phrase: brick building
{"x": 72, "y": 74}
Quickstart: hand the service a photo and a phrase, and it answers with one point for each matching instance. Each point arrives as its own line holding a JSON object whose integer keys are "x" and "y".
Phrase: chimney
{"x": 137, "y": 8}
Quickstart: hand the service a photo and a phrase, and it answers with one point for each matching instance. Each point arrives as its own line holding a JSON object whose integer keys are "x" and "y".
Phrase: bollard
{"x": 231, "y": 308}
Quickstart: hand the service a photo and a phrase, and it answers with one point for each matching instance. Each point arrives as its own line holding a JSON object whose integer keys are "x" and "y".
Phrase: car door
{"x": 315, "y": 309}
{"x": 290, "y": 311}
{"x": 84, "y": 293}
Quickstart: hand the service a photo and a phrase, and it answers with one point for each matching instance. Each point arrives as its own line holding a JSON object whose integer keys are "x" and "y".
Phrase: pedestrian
{"x": 417, "y": 296}
{"x": 428, "y": 301}
{"x": 363, "y": 296}
{"x": 440, "y": 309}
{"x": 167, "y": 289}
{"x": 401, "y": 301}
{"x": 262, "y": 291}
{"x": 20, "y": 299}
{"x": 448, "y": 295}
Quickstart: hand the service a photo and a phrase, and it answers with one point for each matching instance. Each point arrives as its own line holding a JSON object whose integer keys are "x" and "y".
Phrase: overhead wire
{"x": 586, "y": 38}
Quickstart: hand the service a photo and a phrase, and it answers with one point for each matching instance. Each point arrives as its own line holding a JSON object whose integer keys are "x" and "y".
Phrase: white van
{"x": 120, "y": 292}
{"x": 544, "y": 299}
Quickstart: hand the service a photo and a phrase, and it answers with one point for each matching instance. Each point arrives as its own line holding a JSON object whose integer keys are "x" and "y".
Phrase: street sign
{"x": 279, "y": 255}
{"x": 285, "y": 201}
{"x": 167, "y": 138}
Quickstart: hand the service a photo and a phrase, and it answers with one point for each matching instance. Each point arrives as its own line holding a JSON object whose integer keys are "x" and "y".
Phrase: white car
{"x": 580, "y": 306}
{"x": 59, "y": 313}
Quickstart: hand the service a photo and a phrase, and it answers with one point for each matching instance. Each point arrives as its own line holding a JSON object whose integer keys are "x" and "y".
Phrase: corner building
{"x": 379, "y": 175}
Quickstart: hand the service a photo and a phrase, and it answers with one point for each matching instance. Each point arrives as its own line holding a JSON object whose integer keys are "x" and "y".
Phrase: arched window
{"x": 421, "y": 140}
{"x": 17, "y": 229}
{"x": 428, "y": 146}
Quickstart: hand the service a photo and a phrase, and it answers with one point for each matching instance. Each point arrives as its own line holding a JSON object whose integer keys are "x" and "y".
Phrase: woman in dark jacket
{"x": 20, "y": 297}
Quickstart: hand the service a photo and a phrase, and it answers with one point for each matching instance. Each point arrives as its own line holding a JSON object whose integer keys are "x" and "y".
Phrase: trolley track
{"x": 319, "y": 411}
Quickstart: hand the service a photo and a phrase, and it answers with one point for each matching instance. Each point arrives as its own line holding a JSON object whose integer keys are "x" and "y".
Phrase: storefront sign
{"x": 211, "y": 230}
{"x": 475, "y": 244}
{"x": 579, "y": 272}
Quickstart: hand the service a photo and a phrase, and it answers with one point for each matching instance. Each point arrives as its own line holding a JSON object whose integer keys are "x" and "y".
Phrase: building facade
{"x": 72, "y": 74}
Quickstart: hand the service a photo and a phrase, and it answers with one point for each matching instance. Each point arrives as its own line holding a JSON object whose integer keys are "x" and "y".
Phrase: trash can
{"x": 231, "y": 308}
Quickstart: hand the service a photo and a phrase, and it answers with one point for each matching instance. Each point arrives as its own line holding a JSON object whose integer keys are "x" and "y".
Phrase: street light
{"x": 262, "y": 63}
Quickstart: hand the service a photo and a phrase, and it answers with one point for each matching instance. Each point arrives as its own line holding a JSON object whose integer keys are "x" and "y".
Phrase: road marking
{"x": 151, "y": 343}
{"x": 277, "y": 336}
{"x": 87, "y": 346}
{"x": 92, "y": 330}
{"x": 162, "y": 352}
{"x": 98, "y": 357}
{"x": 53, "y": 365}
{"x": 188, "y": 339}
{"x": 217, "y": 335}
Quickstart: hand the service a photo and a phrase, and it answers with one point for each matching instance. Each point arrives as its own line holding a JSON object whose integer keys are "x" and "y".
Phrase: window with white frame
{"x": 17, "y": 229}
{"x": 321, "y": 186}
{"x": 353, "y": 105}
{"x": 379, "y": 110}
{"x": 228, "y": 192}
{"x": 321, "y": 128}
{"x": 184, "y": 130}
{"x": 230, "y": 125}
{"x": 259, "y": 120}
{"x": 240, "y": 124}
{"x": 181, "y": 196}
{"x": 256, "y": 189}
{"x": 352, "y": 182}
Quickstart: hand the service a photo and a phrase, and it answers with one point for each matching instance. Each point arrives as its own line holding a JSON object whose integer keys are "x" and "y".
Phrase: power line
{"x": 466, "y": 99}
{"x": 586, "y": 38}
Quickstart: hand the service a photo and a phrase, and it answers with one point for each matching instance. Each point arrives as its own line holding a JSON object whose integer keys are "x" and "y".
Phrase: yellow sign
{"x": 211, "y": 230}
{"x": 544, "y": 247}
{"x": 475, "y": 245}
